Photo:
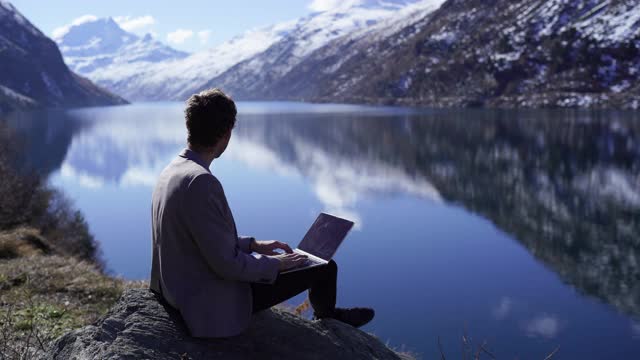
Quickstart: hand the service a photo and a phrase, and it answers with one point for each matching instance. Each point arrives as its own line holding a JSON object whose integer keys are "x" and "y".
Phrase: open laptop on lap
{"x": 322, "y": 241}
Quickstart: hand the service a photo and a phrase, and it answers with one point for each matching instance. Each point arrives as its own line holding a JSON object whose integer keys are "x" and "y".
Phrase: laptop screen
{"x": 325, "y": 235}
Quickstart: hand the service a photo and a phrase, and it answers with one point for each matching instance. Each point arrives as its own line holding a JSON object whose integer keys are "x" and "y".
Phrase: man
{"x": 200, "y": 265}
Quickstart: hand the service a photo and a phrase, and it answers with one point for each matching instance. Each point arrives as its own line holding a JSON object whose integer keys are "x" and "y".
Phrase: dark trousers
{"x": 320, "y": 280}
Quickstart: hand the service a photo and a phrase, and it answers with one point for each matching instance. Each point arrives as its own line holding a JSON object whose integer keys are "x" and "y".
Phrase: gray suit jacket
{"x": 200, "y": 265}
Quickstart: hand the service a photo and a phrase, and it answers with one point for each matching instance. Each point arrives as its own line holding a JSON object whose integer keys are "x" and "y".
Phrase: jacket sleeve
{"x": 211, "y": 227}
{"x": 245, "y": 243}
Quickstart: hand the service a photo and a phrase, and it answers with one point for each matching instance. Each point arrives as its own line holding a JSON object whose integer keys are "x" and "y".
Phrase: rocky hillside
{"x": 33, "y": 72}
{"x": 141, "y": 326}
{"x": 523, "y": 53}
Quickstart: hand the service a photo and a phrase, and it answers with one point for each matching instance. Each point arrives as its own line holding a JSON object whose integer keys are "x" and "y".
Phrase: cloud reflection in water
{"x": 544, "y": 325}
{"x": 125, "y": 154}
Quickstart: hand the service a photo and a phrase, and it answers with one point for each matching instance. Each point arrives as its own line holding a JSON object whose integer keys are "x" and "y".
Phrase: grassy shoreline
{"x": 44, "y": 294}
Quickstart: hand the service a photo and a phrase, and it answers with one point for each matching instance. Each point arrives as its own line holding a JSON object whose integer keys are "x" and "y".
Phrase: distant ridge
{"x": 33, "y": 72}
{"x": 454, "y": 53}
{"x": 256, "y": 57}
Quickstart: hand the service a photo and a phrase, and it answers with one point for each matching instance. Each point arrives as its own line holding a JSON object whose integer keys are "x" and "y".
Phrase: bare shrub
{"x": 67, "y": 229}
{"x": 26, "y": 200}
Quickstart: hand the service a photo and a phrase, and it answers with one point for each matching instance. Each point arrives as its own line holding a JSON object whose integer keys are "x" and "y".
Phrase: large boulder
{"x": 140, "y": 326}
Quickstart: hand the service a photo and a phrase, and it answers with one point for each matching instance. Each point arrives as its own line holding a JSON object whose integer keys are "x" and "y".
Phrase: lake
{"x": 518, "y": 228}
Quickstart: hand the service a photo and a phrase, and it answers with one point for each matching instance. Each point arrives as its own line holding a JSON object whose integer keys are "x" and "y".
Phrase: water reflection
{"x": 43, "y": 137}
{"x": 635, "y": 330}
{"x": 504, "y": 307}
{"x": 564, "y": 184}
{"x": 543, "y": 325}
{"x": 338, "y": 179}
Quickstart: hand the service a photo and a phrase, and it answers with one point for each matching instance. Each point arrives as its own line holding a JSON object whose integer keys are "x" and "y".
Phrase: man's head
{"x": 210, "y": 117}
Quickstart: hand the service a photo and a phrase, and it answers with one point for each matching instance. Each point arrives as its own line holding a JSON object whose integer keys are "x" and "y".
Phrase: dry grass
{"x": 44, "y": 296}
{"x": 22, "y": 242}
{"x": 50, "y": 269}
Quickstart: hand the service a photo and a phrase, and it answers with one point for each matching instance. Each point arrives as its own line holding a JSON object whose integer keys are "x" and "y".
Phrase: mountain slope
{"x": 492, "y": 53}
{"x": 306, "y": 78}
{"x": 33, "y": 72}
{"x": 260, "y": 77}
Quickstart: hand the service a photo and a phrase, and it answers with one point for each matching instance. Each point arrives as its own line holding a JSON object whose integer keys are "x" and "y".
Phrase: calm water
{"x": 521, "y": 228}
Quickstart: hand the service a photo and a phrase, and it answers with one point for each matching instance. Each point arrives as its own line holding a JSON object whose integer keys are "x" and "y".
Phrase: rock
{"x": 140, "y": 326}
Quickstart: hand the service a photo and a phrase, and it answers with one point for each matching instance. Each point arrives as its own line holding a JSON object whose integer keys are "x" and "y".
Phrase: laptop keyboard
{"x": 308, "y": 262}
{"x": 311, "y": 262}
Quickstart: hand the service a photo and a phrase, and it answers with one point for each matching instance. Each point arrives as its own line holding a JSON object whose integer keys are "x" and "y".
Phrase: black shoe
{"x": 355, "y": 317}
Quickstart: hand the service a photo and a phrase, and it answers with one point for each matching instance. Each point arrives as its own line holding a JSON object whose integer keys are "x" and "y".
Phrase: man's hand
{"x": 289, "y": 261}
{"x": 269, "y": 247}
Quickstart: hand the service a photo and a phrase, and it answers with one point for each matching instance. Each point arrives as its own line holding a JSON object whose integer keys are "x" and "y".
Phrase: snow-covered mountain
{"x": 260, "y": 76}
{"x": 505, "y": 53}
{"x": 33, "y": 72}
{"x": 279, "y": 74}
{"x": 255, "y": 58}
{"x": 95, "y": 44}
{"x": 171, "y": 80}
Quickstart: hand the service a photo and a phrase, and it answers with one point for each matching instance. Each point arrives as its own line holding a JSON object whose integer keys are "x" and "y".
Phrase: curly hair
{"x": 209, "y": 116}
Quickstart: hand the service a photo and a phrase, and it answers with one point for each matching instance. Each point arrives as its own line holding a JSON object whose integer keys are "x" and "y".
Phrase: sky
{"x": 189, "y": 25}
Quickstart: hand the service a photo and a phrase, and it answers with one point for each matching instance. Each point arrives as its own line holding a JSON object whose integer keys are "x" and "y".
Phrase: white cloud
{"x": 84, "y": 179}
{"x": 179, "y": 36}
{"x": 502, "y": 310}
{"x": 62, "y": 30}
{"x": 138, "y": 176}
{"x": 204, "y": 36}
{"x": 635, "y": 330}
{"x": 545, "y": 325}
{"x": 324, "y": 5}
{"x": 135, "y": 24}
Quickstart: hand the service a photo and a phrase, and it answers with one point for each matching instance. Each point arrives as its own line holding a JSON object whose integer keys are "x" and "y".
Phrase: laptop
{"x": 322, "y": 241}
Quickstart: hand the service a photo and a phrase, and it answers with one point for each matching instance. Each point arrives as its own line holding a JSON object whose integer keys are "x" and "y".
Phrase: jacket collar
{"x": 193, "y": 156}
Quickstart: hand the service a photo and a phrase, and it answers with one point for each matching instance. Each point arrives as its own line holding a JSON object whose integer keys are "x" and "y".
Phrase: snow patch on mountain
{"x": 413, "y": 14}
{"x": 610, "y": 23}
{"x": 13, "y": 95}
{"x": 317, "y": 30}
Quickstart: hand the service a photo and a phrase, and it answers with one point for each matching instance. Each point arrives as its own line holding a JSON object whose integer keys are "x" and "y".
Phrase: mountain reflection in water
{"x": 564, "y": 184}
